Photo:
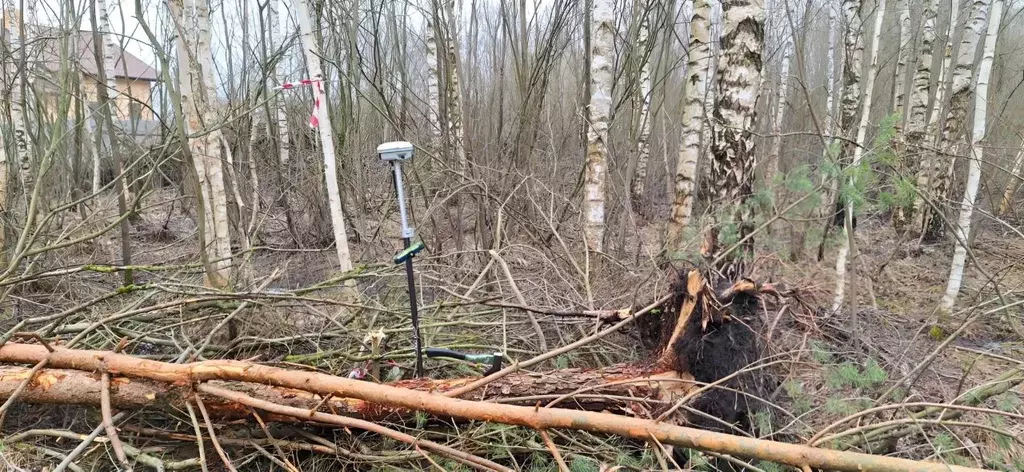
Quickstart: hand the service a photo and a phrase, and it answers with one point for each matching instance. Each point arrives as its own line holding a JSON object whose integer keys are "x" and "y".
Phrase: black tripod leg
{"x": 416, "y": 345}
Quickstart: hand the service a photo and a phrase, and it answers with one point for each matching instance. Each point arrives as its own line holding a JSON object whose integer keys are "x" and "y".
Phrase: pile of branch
{"x": 644, "y": 396}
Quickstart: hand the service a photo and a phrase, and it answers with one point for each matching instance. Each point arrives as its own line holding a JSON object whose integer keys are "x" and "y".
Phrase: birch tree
{"x": 902, "y": 56}
{"x": 278, "y": 22}
{"x": 917, "y": 118}
{"x": 732, "y": 143}
{"x": 935, "y": 175}
{"x": 453, "y": 94}
{"x": 643, "y": 144}
{"x": 698, "y": 76}
{"x": 105, "y": 50}
{"x": 830, "y": 86}
{"x": 924, "y": 171}
{"x": 326, "y": 135}
{"x": 853, "y": 55}
{"x": 602, "y": 60}
{"x": 780, "y": 104}
{"x": 195, "y": 77}
{"x": 447, "y": 29}
{"x": 433, "y": 87}
{"x": 853, "y": 42}
{"x": 1012, "y": 182}
{"x": 846, "y": 243}
{"x": 19, "y": 118}
{"x": 917, "y": 114}
{"x": 963, "y": 226}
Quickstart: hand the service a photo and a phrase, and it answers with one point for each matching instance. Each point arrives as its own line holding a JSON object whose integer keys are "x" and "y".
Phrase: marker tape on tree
{"x": 314, "y": 121}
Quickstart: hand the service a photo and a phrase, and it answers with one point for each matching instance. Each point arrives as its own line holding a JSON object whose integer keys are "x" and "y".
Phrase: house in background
{"x": 133, "y": 82}
{"x": 134, "y": 79}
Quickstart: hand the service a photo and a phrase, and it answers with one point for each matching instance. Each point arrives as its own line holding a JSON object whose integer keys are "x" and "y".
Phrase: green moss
{"x": 105, "y": 269}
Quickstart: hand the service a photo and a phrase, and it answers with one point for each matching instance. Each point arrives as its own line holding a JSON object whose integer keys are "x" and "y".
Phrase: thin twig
{"x": 213, "y": 436}
{"x": 541, "y": 339}
{"x": 67, "y": 462}
{"x": 199, "y": 435}
{"x": 431, "y": 461}
{"x": 287, "y": 464}
{"x": 562, "y": 467}
{"x": 108, "y": 422}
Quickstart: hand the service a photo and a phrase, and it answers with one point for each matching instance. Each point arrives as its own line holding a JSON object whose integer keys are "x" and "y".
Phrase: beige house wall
{"x": 137, "y": 92}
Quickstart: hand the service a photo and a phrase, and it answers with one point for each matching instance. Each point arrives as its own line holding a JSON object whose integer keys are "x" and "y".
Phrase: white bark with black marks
{"x": 602, "y": 63}
{"x": 858, "y": 153}
{"x": 639, "y": 180}
{"x": 732, "y": 144}
{"x": 698, "y": 76}
{"x": 917, "y": 117}
{"x": 933, "y": 181}
{"x": 19, "y": 116}
{"x": 312, "y": 53}
{"x": 902, "y": 56}
{"x": 963, "y": 226}
{"x": 433, "y": 87}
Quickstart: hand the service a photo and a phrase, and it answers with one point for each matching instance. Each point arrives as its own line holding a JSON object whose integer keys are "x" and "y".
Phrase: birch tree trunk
{"x": 850, "y": 71}
{"x": 936, "y": 183}
{"x": 326, "y": 136}
{"x": 830, "y": 87}
{"x": 196, "y": 84}
{"x": 99, "y": 140}
{"x": 853, "y": 43}
{"x": 433, "y": 88}
{"x": 19, "y": 116}
{"x": 905, "y": 46}
{"x": 639, "y": 180}
{"x": 732, "y": 143}
{"x": 453, "y": 93}
{"x": 106, "y": 50}
{"x": 211, "y": 143}
{"x": 917, "y": 118}
{"x": 598, "y": 110}
{"x": 1012, "y": 182}
{"x": 846, "y": 243}
{"x": 780, "y": 105}
{"x": 924, "y": 172}
{"x": 280, "y": 22}
{"x": 453, "y": 108}
{"x": 698, "y": 75}
{"x": 917, "y": 115}
{"x": 963, "y": 227}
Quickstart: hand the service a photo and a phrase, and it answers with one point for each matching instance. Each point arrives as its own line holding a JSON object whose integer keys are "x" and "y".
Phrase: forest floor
{"x": 835, "y": 362}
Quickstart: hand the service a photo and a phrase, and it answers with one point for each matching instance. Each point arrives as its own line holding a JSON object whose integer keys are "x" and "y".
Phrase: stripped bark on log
{"x": 389, "y": 397}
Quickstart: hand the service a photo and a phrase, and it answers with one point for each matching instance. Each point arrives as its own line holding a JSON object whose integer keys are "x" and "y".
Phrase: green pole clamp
{"x": 408, "y": 252}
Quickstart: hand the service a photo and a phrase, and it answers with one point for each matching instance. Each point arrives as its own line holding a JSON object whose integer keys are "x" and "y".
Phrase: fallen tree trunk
{"x": 376, "y": 398}
{"x": 621, "y": 389}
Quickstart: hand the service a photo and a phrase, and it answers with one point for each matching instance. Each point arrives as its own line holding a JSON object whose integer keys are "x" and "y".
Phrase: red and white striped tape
{"x": 314, "y": 121}
{"x": 301, "y": 83}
